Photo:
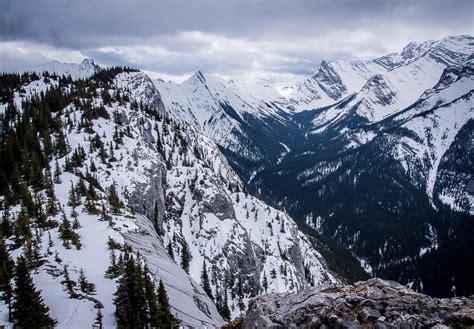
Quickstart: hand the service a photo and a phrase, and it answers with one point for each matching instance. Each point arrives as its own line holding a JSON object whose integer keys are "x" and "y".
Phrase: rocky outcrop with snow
{"x": 81, "y": 70}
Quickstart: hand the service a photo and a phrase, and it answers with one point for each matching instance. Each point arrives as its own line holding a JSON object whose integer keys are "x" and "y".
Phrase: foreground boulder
{"x": 374, "y": 303}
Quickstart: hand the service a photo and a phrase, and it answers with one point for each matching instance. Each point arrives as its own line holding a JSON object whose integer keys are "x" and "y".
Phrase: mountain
{"x": 102, "y": 173}
{"x": 82, "y": 70}
{"x": 249, "y": 122}
{"x": 374, "y": 154}
{"x": 407, "y": 74}
{"x": 383, "y": 171}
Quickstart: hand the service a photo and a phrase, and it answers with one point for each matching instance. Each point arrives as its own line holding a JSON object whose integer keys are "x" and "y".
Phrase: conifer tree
{"x": 22, "y": 227}
{"x": 240, "y": 294}
{"x": 170, "y": 250}
{"x": 6, "y": 227}
{"x": 185, "y": 257}
{"x": 73, "y": 200}
{"x": 167, "y": 319}
{"x": 114, "y": 199}
{"x": 98, "y": 319}
{"x": 130, "y": 299}
{"x": 225, "y": 312}
{"x": 114, "y": 269}
{"x": 86, "y": 287}
{"x": 282, "y": 227}
{"x": 7, "y": 267}
{"x": 205, "y": 281}
{"x": 70, "y": 284}
{"x": 265, "y": 283}
{"x": 57, "y": 174}
{"x": 29, "y": 310}
{"x": 152, "y": 300}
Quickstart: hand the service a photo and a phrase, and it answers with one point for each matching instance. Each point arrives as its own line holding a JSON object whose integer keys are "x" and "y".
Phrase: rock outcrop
{"x": 374, "y": 303}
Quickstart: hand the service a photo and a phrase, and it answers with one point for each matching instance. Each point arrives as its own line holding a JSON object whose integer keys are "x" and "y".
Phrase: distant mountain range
{"x": 376, "y": 154}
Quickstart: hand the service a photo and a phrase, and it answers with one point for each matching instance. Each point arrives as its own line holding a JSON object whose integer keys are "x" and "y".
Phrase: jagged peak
{"x": 198, "y": 76}
{"x": 88, "y": 61}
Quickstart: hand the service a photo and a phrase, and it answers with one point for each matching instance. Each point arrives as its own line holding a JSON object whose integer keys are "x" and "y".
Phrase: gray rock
{"x": 147, "y": 198}
{"x": 374, "y": 303}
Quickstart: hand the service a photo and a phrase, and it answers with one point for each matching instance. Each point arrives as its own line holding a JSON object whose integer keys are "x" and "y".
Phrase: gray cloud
{"x": 231, "y": 38}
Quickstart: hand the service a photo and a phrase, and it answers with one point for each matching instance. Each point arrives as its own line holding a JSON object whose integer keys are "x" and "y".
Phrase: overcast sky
{"x": 275, "y": 42}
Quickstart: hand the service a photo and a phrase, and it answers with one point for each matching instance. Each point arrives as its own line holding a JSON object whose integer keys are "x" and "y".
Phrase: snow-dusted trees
{"x": 29, "y": 310}
{"x": 137, "y": 301}
{"x": 205, "y": 281}
{"x": 185, "y": 256}
{"x": 7, "y": 267}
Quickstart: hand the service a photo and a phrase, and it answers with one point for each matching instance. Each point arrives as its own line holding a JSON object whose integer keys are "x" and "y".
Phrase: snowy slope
{"x": 448, "y": 107}
{"x": 236, "y": 234}
{"x": 129, "y": 176}
{"x": 77, "y": 70}
{"x": 172, "y": 177}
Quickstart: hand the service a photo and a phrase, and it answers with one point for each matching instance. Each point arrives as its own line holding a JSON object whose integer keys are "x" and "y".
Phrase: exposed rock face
{"x": 373, "y": 303}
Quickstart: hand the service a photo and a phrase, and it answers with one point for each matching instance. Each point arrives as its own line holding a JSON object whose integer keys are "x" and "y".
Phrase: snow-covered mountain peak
{"x": 199, "y": 75}
{"x": 417, "y": 67}
{"x": 197, "y": 78}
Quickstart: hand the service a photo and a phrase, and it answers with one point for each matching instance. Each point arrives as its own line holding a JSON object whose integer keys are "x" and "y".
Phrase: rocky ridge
{"x": 374, "y": 303}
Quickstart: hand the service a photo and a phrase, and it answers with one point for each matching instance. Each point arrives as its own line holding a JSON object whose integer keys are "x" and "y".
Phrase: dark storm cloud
{"x": 176, "y": 37}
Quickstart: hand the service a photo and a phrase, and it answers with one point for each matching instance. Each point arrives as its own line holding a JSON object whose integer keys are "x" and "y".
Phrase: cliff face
{"x": 373, "y": 303}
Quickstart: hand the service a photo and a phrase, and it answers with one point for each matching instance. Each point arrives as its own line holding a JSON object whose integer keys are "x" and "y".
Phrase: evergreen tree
{"x": 170, "y": 250}
{"x": 282, "y": 226}
{"x": 104, "y": 215}
{"x": 273, "y": 274}
{"x": 73, "y": 200}
{"x": 57, "y": 174}
{"x": 265, "y": 283}
{"x": 70, "y": 284}
{"x": 7, "y": 267}
{"x": 167, "y": 319}
{"x": 68, "y": 235}
{"x": 22, "y": 227}
{"x": 114, "y": 269}
{"x": 130, "y": 298}
{"x": 86, "y": 287}
{"x": 29, "y": 310}
{"x": 185, "y": 257}
{"x": 152, "y": 300}
{"x": 225, "y": 312}
{"x": 114, "y": 199}
{"x": 205, "y": 281}
{"x": 240, "y": 294}
{"x": 98, "y": 319}
{"x": 6, "y": 227}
